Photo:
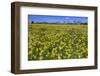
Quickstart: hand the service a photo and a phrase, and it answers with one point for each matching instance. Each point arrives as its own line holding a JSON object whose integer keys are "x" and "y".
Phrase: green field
{"x": 57, "y": 41}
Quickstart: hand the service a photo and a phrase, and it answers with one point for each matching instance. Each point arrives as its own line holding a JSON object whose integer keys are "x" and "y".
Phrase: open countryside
{"x": 57, "y": 37}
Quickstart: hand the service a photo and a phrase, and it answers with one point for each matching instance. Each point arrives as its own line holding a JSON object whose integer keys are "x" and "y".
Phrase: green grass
{"x": 57, "y": 41}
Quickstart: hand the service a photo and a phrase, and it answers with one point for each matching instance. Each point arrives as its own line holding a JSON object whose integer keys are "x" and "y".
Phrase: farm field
{"x": 57, "y": 41}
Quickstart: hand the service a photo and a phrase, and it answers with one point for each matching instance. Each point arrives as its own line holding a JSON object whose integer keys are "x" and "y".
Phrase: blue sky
{"x": 57, "y": 19}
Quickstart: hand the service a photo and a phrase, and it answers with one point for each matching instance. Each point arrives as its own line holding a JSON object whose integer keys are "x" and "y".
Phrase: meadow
{"x": 57, "y": 41}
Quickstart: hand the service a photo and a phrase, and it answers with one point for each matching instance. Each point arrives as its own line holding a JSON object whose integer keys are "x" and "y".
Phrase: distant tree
{"x": 32, "y": 22}
{"x": 85, "y": 23}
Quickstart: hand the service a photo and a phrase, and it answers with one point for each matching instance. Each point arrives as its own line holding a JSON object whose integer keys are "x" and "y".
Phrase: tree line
{"x": 81, "y": 23}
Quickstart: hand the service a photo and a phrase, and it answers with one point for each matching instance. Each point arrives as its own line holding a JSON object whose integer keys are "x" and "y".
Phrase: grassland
{"x": 57, "y": 41}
